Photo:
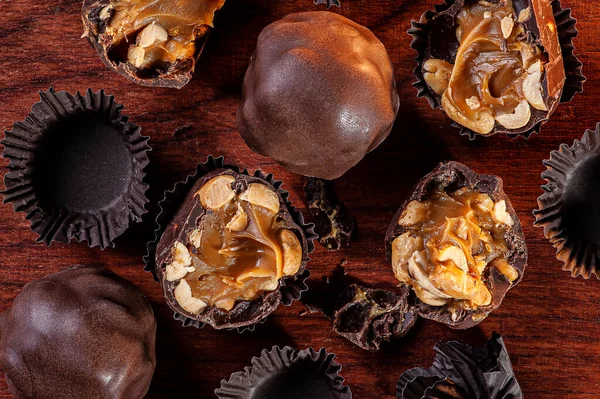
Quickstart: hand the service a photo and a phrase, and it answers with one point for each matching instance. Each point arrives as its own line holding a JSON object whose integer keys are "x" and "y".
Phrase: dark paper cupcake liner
{"x": 565, "y": 24}
{"x": 76, "y": 168}
{"x": 287, "y": 373}
{"x": 171, "y": 203}
{"x": 568, "y": 211}
{"x": 463, "y": 371}
{"x": 328, "y": 3}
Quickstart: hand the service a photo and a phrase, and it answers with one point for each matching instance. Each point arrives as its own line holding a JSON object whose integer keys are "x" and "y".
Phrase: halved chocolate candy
{"x": 229, "y": 249}
{"x": 152, "y": 43}
{"x": 493, "y": 66}
{"x": 457, "y": 242}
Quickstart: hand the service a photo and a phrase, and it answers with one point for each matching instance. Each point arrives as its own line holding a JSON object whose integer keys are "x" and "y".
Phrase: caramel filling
{"x": 497, "y": 75}
{"x": 449, "y": 242}
{"x": 152, "y": 34}
{"x": 239, "y": 249}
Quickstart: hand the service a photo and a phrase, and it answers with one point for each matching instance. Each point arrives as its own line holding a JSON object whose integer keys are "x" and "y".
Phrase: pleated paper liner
{"x": 76, "y": 168}
{"x": 463, "y": 371}
{"x": 287, "y": 373}
{"x": 569, "y": 211}
{"x": 328, "y": 3}
{"x": 565, "y": 23}
{"x": 291, "y": 288}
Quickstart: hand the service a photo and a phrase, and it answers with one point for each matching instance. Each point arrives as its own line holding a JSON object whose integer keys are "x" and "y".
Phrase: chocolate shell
{"x": 179, "y": 208}
{"x": 568, "y": 209}
{"x": 319, "y": 94}
{"x": 434, "y": 37}
{"x": 368, "y": 317}
{"x": 462, "y": 371}
{"x": 334, "y": 223}
{"x": 451, "y": 176}
{"x": 287, "y": 373}
{"x": 77, "y": 168}
{"x": 168, "y": 68}
{"x": 81, "y": 333}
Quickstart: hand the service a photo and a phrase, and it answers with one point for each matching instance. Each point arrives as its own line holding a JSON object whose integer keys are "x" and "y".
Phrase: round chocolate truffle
{"x": 319, "y": 94}
{"x": 81, "y": 333}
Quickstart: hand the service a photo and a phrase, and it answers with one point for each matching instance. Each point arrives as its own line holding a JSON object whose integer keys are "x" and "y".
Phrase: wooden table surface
{"x": 550, "y": 322}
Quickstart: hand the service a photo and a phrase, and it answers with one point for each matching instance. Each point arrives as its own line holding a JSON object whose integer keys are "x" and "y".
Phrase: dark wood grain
{"x": 550, "y": 321}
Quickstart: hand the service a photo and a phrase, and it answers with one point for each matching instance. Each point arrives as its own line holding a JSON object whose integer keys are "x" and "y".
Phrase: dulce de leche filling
{"x": 153, "y": 34}
{"x": 239, "y": 249}
{"x": 450, "y": 241}
{"x": 497, "y": 74}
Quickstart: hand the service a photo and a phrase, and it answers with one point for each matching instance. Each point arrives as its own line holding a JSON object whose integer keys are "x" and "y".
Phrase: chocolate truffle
{"x": 457, "y": 242}
{"x": 493, "y": 66}
{"x": 318, "y": 95}
{"x": 230, "y": 250}
{"x": 150, "y": 42}
{"x": 81, "y": 333}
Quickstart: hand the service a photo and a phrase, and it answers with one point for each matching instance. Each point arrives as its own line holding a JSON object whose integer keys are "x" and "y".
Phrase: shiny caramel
{"x": 183, "y": 21}
{"x": 496, "y": 77}
{"x": 449, "y": 242}
{"x": 239, "y": 248}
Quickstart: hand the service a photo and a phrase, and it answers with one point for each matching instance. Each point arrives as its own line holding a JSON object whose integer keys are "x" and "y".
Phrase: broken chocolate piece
{"x": 461, "y": 371}
{"x": 340, "y": 104}
{"x": 80, "y": 333}
{"x": 493, "y": 66}
{"x": 230, "y": 250}
{"x": 333, "y": 221}
{"x": 457, "y": 242}
{"x": 152, "y": 43}
{"x": 368, "y": 317}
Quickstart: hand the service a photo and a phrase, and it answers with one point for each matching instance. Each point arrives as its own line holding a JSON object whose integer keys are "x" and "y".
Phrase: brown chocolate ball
{"x": 81, "y": 333}
{"x": 319, "y": 94}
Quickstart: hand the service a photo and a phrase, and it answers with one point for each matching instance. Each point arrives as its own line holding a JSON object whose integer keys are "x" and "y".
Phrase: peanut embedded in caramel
{"x": 449, "y": 242}
{"x": 498, "y": 71}
{"x": 159, "y": 33}
{"x": 239, "y": 248}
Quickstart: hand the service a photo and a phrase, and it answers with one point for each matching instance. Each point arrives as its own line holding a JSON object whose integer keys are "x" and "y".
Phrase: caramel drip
{"x": 232, "y": 265}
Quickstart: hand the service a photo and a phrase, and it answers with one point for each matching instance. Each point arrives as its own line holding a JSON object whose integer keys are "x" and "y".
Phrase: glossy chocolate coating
{"x": 319, "y": 94}
{"x": 81, "y": 333}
